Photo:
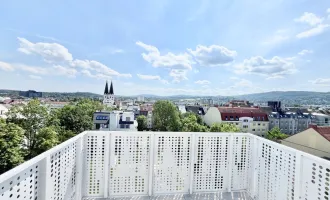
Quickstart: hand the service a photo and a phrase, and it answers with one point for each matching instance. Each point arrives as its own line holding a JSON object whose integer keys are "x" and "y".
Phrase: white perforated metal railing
{"x": 100, "y": 164}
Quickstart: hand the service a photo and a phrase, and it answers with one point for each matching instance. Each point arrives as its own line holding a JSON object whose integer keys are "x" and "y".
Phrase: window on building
{"x": 236, "y": 123}
{"x": 127, "y": 125}
{"x": 258, "y": 124}
{"x": 263, "y": 124}
{"x": 245, "y": 126}
{"x": 245, "y": 120}
{"x": 97, "y": 126}
{"x": 128, "y": 119}
{"x": 122, "y": 125}
{"x": 253, "y": 129}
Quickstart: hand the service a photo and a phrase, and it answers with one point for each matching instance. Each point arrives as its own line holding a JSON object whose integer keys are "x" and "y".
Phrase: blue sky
{"x": 165, "y": 47}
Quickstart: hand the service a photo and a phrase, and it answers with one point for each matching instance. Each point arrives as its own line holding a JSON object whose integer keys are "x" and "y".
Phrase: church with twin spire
{"x": 109, "y": 96}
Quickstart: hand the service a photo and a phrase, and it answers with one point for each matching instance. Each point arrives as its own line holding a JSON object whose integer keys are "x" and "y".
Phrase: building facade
{"x": 320, "y": 119}
{"x": 289, "y": 123}
{"x": 114, "y": 121}
{"x": 314, "y": 140}
{"x": 109, "y": 96}
{"x": 30, "y": 94}
{"x": 248, "y": 120}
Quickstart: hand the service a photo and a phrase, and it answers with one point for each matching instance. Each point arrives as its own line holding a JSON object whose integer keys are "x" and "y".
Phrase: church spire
{"x": 106, "y": 88}
{"x": 111, "y": 89}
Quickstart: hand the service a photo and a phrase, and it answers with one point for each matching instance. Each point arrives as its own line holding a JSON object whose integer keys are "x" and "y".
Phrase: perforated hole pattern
{"x": 22, "y": 186}
{"x": 94, "y": 164}
{"x": 316, "y": 182}
{"x": 63, "y": 173}
{"x": 211, "y": 168}
{"x": 276, "y": 172}
{"x": 129, "y": 173}
{"x": 172, "y": 164}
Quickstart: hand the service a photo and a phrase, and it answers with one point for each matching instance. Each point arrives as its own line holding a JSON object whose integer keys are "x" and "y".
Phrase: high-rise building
{"x": 109, "y": 96}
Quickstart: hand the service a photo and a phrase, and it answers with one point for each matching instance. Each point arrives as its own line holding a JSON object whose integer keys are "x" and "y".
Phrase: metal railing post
{"x": 79, "y": 168}
{"x": 255, "y": 151}
{"x": 192, "y": 162}
{"x": 230, "y": 160}
{"x": 151, "y": 163}
{"x": 45, "y": 186}
{"x": 106, "y": 164}
{"x": 297, "y": 175}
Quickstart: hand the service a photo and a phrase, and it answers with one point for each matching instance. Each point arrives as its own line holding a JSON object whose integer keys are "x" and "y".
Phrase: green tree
{"x": 78, "y": 117}
{"x": 11, "y": 141}
{"x": 46, "y": 138}
{"x": 165, "y": 116}
{"x": 275, "y": 134}
{"x": 224, "y": 127}
{"x": 32, "y": 118}
{"x": 189, "y": 123}
{"x": 142, "y": 123}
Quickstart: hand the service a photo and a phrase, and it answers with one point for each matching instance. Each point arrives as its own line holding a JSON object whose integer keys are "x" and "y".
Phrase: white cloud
{"x": 275, "y": 67}
{"x": 169, "y": 60}
{"x": 178, "y": 75}
{"x": 279, "y": 37}
{"x": 6, "y": 66}
{"x": 213, "y": 55}
{"x": 60, "y": 70}
{"x": 233, "y": 78}
{"x": 305, "y": 51}
{"x": 321, "y": 81}
{"x": 202, "y": 82}
{"x": 98, "y": 67}
{"x": 309, "y": 18}
{"x": 51, "y": 52}
{"x": 35, "y": 77}
{"x": 148, "y": 77}
{"x": 32, "y": 69}
{"x": 313, "y": 31}
{"x": 152, "y": 77}
{"x": 196, "y": 71}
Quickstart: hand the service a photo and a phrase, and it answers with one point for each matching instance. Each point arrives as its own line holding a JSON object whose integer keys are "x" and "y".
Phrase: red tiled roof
{"x": 323, "y": 130}
{"x": 262, "y": 116}
{"x": 146, "y": 108}
{"x": 238, "y": 109}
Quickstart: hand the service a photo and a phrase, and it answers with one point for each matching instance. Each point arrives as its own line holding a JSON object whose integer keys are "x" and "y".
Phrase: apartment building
{"x": 114, "y": 121}
{"x": 289, "y": 123}
{"x": 251, "y": 120}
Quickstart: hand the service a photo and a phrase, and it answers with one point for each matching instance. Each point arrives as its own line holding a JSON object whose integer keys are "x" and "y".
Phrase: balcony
{"x": 164, "y": 165}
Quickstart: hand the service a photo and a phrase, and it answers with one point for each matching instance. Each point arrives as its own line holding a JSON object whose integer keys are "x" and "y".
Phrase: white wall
{"x": 212, "y": 116}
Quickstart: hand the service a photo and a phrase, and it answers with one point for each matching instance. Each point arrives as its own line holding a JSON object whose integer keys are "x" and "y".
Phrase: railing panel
{"x": 129, "y": 165}
{"x": 24, "y": 185}
{"x": 315, "y": 179}
{"x": 172, "y": 163}
{"x": 94, "y": 151}
{"x": 211, "y": 163}
{"x": 61, "y": 174}
{"x": 276, "y": 171}
{"x": 242, "y": 150}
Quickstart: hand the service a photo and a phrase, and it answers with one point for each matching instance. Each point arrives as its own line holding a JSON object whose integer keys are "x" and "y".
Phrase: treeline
{"x": 166, "y": 117}
{"x": 32, "y": 129}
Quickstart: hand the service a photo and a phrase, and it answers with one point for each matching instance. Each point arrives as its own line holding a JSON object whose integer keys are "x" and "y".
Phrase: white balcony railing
{"x": 111, "y": 164}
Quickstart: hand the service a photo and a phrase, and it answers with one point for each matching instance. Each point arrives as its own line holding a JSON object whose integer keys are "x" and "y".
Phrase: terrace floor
{"x": 202, "y": 196}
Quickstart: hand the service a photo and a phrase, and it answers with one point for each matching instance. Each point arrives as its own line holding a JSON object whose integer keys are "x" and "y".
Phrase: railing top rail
{"x": 38, "y": 158}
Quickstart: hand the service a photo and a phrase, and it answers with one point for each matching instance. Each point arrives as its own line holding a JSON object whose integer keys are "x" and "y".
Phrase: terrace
{"x": 165, "y": 165}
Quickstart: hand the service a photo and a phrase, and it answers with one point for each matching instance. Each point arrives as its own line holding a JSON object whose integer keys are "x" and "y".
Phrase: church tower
{"x": 108, "y": 97}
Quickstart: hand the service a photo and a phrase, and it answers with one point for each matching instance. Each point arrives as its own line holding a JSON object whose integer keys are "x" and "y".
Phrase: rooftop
{"x": 168, "y": 165}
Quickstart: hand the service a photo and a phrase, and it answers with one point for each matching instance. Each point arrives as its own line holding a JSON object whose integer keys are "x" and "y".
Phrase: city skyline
{"x": 166, "y": 48}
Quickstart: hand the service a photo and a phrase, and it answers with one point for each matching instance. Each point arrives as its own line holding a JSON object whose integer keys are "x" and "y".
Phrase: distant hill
{"x": 300, "y": 97}
{"x": 289, "y": 97}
